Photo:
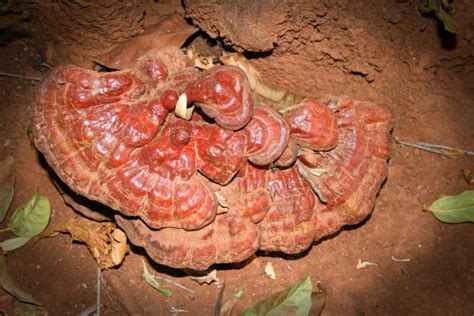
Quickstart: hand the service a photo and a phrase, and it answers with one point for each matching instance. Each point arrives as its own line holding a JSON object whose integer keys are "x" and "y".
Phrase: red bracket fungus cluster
{"x": 235, "y": 178}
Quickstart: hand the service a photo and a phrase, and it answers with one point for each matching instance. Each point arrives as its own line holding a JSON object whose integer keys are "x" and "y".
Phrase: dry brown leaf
{"x": 207, "y": 279}
{"x": 106, "y": 242}
{"x": 172, "y": 30}
{"x": 468, "y": 176}
{"x": 200, "y": 61}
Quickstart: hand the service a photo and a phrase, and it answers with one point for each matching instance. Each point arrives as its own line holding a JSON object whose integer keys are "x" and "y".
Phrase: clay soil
{"x": 382, "y": 51}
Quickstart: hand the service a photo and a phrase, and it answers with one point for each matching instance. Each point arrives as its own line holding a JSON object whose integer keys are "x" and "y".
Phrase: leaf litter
{"x": 298, "y": 300}
{"x": 207, "y": 278}
{"x": 7, "y": 185}
{"x": 107, "y": 243}
{"x": 151, "y": 280}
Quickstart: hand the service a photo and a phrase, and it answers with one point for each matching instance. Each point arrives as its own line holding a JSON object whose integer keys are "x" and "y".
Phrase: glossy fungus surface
{"x": 220, "y": 186}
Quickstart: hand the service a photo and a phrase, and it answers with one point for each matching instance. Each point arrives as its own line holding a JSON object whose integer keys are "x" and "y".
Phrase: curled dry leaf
{"x": 468, "y": 176}
{"x": 106, "y": 242}
{"x": 200, "y": 61}
{"x": 454, "y": 208}
{"x": 11, "y": 286}
{"x": 207, "y": 279}
{"x": 295, "y": 300}
{"x": 7, "y": 185}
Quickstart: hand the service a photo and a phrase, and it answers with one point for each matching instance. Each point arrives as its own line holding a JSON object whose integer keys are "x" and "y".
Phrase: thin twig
{"x": 99, "y": 276}
{"x": 443, "y": 150}
{"x": 191, "y": 293}
{"x": 175, "y": 310}
{"x": 305, "y": 174}
{"x": 96, "y": 307}
{"x": 467, "y": 152}
{"x": 217, "y": 308}
{"x": 89, "y": 311}
{"x": 6, "y": 74}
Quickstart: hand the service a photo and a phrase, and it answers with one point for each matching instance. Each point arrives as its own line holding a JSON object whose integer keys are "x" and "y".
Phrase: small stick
{"x": 191, "y": 293}
{"x": 467, "y": 152}
{"x": 6, "y": 74}
{"x": 96, "y": 307}
{"x": 447, "y": 151}
{"x": 217, "y": 308}
{"x": 88, "y": 311}
{"x": 305, "y": 174}
{"x": 99, "y": 276}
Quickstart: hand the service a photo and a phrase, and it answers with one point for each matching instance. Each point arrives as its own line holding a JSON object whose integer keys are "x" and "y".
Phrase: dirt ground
{"x": 382, "y": 51}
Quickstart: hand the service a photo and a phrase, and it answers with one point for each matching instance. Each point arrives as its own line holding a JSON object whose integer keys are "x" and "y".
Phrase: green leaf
{"x": 430, "y": 6}
{"x": 31, "y": 218}
{"x": 293, "y": 301}
{"x": 11, "y": 286}
{"x": 454, "y": 208}
{"x": 14, "y": 243}
{"x": 7, "y": 185}
{"x": 448, "y": 21}
{"x": 441, "y": 10}
{"x": 150, "y": 279}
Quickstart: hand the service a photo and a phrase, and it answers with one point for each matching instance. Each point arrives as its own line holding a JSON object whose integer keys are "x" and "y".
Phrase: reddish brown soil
{"x": 385, "y": 53}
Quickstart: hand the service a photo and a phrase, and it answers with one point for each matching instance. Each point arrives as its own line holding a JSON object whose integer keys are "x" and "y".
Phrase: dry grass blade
{"x": 6, "y": 74}
{"x": 191, "y": 293}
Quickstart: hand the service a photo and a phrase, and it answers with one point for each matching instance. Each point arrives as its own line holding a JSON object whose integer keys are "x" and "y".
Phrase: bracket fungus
{"x": 121, "y": 139}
